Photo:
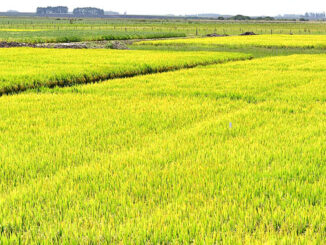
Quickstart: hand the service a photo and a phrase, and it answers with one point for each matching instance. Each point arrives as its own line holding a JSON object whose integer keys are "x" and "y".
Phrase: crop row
{"x": 56, "y": 36}
{"x": 266, "y": 41}
{"x": 25, "y": 68}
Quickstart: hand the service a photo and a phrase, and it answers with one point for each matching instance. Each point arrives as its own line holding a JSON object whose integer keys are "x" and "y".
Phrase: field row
{"x": 192, "y": 27}
{"x": 57, "y": 36}
{"x": 266, "y": 41}
{"x": 40, "y": 30}
{"x": 229, "y": 153}
{"x": 25, "y": 68}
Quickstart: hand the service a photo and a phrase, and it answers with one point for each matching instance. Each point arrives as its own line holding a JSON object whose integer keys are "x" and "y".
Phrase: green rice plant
{"x": 66, "y": 36}
{"x": 198, "y": 27}
{"x": 224, "y": 154}
{"x": 25, "y": 68}
{"x": 39, "y": 30}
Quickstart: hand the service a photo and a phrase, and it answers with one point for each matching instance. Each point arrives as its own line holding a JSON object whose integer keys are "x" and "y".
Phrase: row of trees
{"x": 52, "y": 10}
{"x": 88, "y": 12}
{"x": 243, "y": 17}
{"x": 80, "y": 12}
{"x": 315, "y": 16}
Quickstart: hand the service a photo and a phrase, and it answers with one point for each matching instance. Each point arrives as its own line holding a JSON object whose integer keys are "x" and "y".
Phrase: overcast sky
{"x": 246, "y": 7}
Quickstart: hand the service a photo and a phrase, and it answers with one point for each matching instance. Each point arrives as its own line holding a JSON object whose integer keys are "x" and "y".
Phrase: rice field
{"x": 264, "y": 41}
{"x": 26, "y": 68}
{"x": 227, "y": 153}
{"x": 187, "y": 26}
{"x": 40, "y": 30}
{"x": 101, "y": 146}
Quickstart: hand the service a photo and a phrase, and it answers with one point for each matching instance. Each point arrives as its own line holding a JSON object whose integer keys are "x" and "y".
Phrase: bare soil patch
{"x": 248, "y": 33}
{"x": 216, "y": 35}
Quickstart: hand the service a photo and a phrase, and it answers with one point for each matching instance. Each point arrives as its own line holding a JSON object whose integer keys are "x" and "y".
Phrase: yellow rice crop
{"x": 267, "y": 41}
{"x": 23, "y": 68}
{"x": 224, "y": 154}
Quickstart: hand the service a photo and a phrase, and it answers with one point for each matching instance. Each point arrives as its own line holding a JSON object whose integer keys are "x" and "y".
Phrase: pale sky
{"x": 246, "y": 7}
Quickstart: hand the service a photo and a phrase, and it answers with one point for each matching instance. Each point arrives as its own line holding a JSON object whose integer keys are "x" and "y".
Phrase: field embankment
{"x": 230, "y": 153}
{"x": 28, "y": 68}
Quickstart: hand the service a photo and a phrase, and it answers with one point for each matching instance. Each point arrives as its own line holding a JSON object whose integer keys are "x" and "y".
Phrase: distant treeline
{"x": 90, "y": 12}
{"x": 315, "y": 16}
{"x": 61, "y": 10}
{"x": 310, "y": 16}
{"x": 52, "y": 10}
{"x": 243, "y": 17}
